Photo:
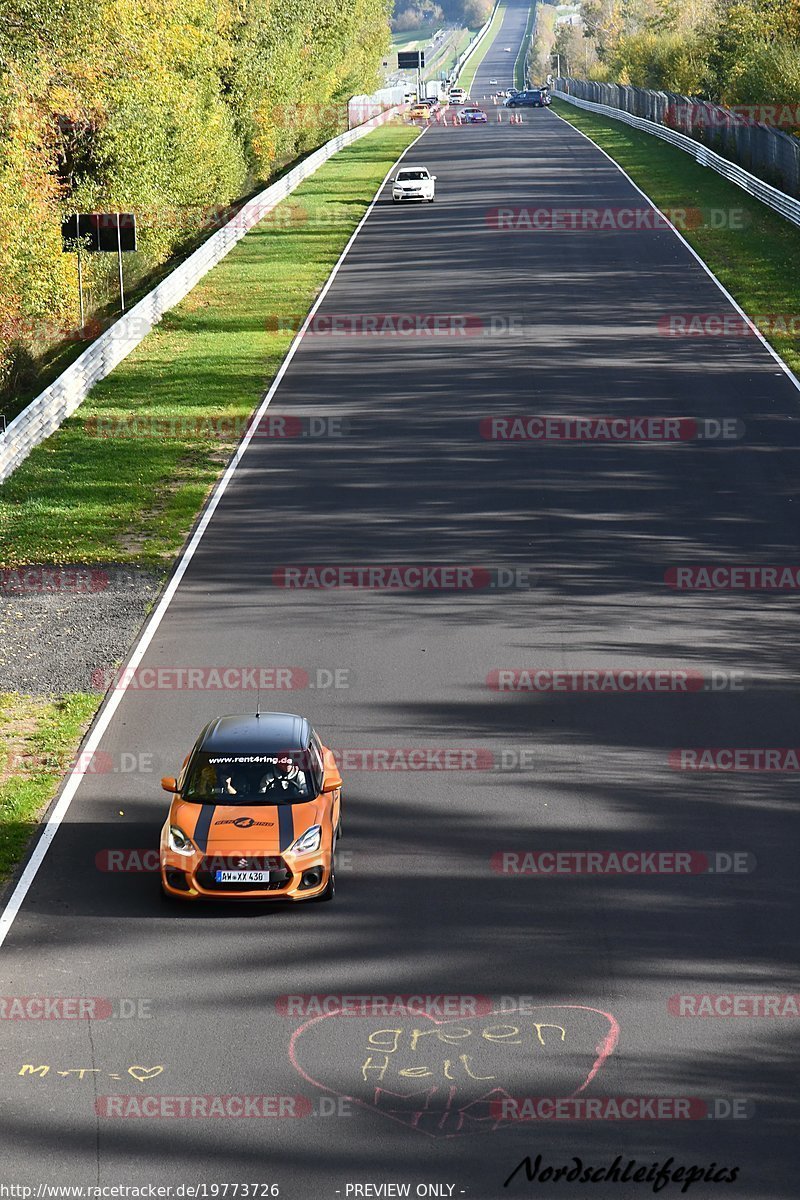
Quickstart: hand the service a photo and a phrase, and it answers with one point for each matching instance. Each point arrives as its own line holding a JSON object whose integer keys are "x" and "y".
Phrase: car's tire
{"x": 431, "y": 200}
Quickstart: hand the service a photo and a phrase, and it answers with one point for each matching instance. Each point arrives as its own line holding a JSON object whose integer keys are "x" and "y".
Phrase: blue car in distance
{"x": 530, "y": 98}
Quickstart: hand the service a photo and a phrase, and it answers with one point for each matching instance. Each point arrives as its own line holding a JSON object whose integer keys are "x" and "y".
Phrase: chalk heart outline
{"x": 603, "y": 1050}
{"x": 142, "y": 1074}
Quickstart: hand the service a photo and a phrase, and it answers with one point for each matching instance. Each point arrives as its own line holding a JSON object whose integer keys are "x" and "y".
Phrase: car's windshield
{"x": 235, "y": 779}
{"x": 403, "y": 175}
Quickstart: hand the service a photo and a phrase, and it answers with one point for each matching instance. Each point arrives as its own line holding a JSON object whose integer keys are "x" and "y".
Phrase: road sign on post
{"x": 412, "y": 60}
{"x": 99, "y": 233}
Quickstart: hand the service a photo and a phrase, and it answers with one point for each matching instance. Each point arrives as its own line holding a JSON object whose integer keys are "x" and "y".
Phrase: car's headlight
{"x": 308, "y": 841}
{"x": 179, "y": 842}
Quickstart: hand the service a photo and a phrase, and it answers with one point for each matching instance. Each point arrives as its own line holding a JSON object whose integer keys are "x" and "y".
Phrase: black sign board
{"x": 98, "y": 232}
{"x": 410, "y": 60}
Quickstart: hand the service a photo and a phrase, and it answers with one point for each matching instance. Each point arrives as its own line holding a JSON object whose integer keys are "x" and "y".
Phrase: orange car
{"x": 256, "y": 813}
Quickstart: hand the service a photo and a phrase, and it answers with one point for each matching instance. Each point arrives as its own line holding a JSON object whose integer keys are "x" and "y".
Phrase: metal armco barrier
{"x": 64, "y": 395}
{"x": 476, "y": 41}
{"x": 782, "y": 203}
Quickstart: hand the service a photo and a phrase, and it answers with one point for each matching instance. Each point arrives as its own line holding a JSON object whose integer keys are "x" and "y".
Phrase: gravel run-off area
{"x": 62, "y": 629}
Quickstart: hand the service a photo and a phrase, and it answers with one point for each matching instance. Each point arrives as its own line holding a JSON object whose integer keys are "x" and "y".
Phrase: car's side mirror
{"x": 331, "y": 779}
{"x": 432, "y": 177}
{"x": 169, "y": 784}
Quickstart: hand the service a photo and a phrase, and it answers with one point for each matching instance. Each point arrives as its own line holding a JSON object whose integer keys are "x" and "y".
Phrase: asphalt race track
{"x": 570, "y": 543}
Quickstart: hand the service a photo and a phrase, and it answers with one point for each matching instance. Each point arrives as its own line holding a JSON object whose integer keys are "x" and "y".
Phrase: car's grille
{"x": 280, "y": 874}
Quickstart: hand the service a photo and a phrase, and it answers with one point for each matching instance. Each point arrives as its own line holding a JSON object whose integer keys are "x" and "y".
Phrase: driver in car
{"x": 285, "y": 781}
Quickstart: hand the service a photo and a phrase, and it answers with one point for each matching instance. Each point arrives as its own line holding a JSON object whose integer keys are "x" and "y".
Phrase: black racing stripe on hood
{"x": 285, "y": 826}
{"x": 203, "y": 825}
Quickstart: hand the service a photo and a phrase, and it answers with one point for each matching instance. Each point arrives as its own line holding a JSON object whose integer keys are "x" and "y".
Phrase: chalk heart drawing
{"x": 449, "y": 1078}
{"x": 144, "y": 1073}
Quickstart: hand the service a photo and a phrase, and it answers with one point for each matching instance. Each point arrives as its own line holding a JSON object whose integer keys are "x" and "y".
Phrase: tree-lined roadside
{"x": 729, "y": 51}
{"x": 123, "y": 479}
{"x": 168, "y": 110}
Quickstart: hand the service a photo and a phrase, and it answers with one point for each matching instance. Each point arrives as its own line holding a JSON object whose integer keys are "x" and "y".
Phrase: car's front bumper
{"x": 192, "y": 878}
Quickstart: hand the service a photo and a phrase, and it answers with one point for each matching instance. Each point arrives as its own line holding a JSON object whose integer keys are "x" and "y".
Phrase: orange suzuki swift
{"x": 256, "y": 813}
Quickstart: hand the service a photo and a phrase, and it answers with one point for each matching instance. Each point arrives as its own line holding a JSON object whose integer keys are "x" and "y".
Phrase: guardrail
{"x": 522, "y": 78}
{"x": 780, "y": 202}
{"x": 476, "y": 41}
{"x": 64, "y": 395}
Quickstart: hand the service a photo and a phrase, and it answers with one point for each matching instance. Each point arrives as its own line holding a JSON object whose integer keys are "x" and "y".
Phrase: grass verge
{"x": 757, "y": 262}
{"x": 519, "y": 63}
{"x": 467, "y": 76}
{"x": 94, "y": 493}
{"x": 38, "y": 739}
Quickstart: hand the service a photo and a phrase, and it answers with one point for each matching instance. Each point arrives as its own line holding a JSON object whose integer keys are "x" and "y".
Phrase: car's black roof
{"x": 267, "y": 733}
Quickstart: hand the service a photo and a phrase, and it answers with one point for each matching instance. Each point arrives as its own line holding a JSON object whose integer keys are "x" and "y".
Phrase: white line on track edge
{"x": 787, "y": 370}
{"x": 101, "y": 724}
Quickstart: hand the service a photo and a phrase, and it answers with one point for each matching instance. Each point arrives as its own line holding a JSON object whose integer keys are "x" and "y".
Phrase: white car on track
{"x": 414, "y": 183}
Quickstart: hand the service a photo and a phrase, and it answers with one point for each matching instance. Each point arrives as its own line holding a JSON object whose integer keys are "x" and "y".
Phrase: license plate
{"x": 242, "y": 876}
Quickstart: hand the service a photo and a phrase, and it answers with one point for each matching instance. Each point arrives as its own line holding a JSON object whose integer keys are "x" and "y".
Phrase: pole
{"x": 80, "y": 284}
{"x": 119, "y": 255}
